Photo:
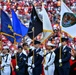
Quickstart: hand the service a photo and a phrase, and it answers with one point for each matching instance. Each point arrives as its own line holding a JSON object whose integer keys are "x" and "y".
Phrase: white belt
{"x": 7, "y": 65}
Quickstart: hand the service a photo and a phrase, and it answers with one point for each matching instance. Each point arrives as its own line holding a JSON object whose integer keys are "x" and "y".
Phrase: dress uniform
{"x": 37, "y": 59}
{"x": 49, "y": 65}
{"x": 21, "y": 62}
{"x": 64, "y": 67}
{"x": 25, "y": 51}
{"x": 30, "y": 70}
{"x": 29, "y": 65}
{"x": 6, "y": 61}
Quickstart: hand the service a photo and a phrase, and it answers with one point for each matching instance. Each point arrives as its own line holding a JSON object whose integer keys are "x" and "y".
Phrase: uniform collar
{"x": 37, "y": 49}
{"x": 20, "y": 54}
{"x": 64, "y": 46}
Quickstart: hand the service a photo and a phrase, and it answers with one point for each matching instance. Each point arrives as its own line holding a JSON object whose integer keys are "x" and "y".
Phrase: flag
{"x": 35, "y": 23}
{"x": 68, "y": 20}
{"x": 6, "y": 26}
{"x": 0, "y": 20}
{"x": 18, "y": 27}
{"x": 47, "y": 27}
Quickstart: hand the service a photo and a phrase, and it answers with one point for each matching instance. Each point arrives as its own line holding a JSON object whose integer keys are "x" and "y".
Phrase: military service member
{"x": 37, "y": 59}
{"x": 6, "y": 62}
{"x": 49, "y": 65}
{"x": 21, "y": 62}
{"x": 62, "y": 65}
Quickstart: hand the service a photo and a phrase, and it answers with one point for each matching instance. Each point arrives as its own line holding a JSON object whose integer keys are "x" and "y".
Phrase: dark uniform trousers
{"x": 65, "y": 56}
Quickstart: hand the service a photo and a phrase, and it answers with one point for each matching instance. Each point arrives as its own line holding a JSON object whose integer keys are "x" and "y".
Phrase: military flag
{"x": 6, "y": 26}
{"x": 35, "y": 23}
{"x": 47, "y": 27}
{"x": 68, "y": 20}
{"x": 18, "y": 28}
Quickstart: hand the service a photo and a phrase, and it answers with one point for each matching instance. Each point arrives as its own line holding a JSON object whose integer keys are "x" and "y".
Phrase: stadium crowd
{"x": 23, "y": 10}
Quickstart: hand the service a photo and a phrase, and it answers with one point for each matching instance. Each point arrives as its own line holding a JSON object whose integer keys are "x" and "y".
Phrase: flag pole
{"x": 44, "y": 62}
{"x": 33, "y": 29}
{"x": 0, "y": 40}
{"x": 33, "y": 43}
{"x": 15, "y": 48}
{"x": 60, "y": 51}
{"x": 60, "y": 46}
{"x": 44, "y": 42}
{"x": 0, "y": 48}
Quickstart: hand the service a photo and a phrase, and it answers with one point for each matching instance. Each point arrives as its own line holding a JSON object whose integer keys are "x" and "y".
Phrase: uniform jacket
{"x": 49, "y": 59}
{"x": 37, "y": 58}
{"x": 65, "y": 56}
{"x": 21, "y": 62}
{"x": 6, "y": 60}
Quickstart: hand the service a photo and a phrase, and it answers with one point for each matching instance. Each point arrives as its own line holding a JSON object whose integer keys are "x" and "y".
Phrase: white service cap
{"x": 5, "y": 47}
{"x": 50, "y": 44}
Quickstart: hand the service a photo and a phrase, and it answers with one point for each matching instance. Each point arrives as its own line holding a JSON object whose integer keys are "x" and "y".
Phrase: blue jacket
{"x": 21, "y": 62}
{"x": 65, "y": 56}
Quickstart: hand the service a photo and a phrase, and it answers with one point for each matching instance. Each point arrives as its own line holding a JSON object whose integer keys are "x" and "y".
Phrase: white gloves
{"x": 32, "y": 47}
{"x": 33, "y": 65}
{"x": 60, "y": 60}
{"x": 17, "y": 67}
{"x": 60, "y": 44}
{"x": 46, "y": 67}
{"x": 30, "y": 69}
{"x": 72, "y": 58}
{"x": 2, "y": 65}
